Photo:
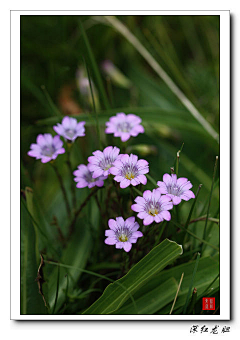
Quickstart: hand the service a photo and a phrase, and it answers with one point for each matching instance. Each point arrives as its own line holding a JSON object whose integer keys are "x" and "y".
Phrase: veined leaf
{"x": 114, "y": 295}
{"x": 76, "y": 254}
{"x": 208, "y": 269}
{"x": 31, "y": 300}
{"x": 154, "y": 300}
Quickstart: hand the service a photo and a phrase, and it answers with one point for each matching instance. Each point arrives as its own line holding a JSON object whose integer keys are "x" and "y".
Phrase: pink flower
{"x": 153, "y": 207}
{"x": 70, "y": 128}
{"x": 124, "y": 126}
{"x": 84, "y": 177}
{"x": 101, "y": 162}
{"x": 129, "y": 170}
{"x": 176, "y": 189}
{"x": 47, "y": 147}
{"x": 122, "y": 233}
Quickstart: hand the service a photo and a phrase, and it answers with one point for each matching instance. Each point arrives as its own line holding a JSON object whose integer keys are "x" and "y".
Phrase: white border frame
{"x": 224, "y": 168}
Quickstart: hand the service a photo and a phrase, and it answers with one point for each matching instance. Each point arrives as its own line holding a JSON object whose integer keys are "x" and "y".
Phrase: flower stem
{"x": 77, "y": 212}
{"x": 160, "y": 233}
{"x": 178, "y": 159}
{"x": 63, "y": 189}
{"x": 74, "y": 199}
{"x": 210, "y": 197}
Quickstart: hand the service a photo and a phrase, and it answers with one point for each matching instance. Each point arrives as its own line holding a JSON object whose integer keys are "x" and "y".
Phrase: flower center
{"x": 124, "y": 127}
{"x": 153, "y": 210}
{"x": 106, "y": 163}
{"x": 48, "y": 150}
{"x": 107, "y": 167}
{"x": 88, "y": 177}
{"x": 174, "y": 190}
{"x": 70, "y": 133}
{"x": 129, "y": 175}
{"x": 129, "y": 171}
{"x": 123, "y": 238}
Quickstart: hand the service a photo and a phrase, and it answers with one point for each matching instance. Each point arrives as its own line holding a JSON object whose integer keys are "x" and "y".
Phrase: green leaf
{"x": 76, "y": 253}
{"x": 208, "y": 268}
{"x": 31, "y": 300}
{"x": 154, "y": 300}
{"x": 114, "y": 295}
{"x": 95, "y": 68}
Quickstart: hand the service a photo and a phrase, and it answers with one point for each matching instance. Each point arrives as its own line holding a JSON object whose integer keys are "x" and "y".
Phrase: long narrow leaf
{"x": 114, "y": 296}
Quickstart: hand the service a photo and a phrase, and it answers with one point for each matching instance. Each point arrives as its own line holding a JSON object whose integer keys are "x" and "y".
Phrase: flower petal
{"x": 147, "y": 195}
{"x": 127, "y": 246}
{"x": 110, "y": 233}
{"x": 167, "y": 179}
{"x": 120, "y": 221}
{"x": 110, "y": 240}
{"x": 148, "y": 220}
{"x": 119, "y": 245}
{"x": 166, "y": 215}
{"x": 136, "y": 207}
{"x": 176, "y": 200}
{"x": 142, "y": 179}
{"x": 125, "y": 183}
{"x": 112, "y": 224}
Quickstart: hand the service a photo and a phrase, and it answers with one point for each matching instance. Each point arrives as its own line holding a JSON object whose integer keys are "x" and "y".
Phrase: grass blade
{"x": 55, "y": 303}
{"x": 180, "y": 282}
{"x": 94, "y": 274}
{"x": 210, "y": 197}
{"x": 178, "y": 159}
{"x": 193, "y": 235}
{"x": 95, "y": 68}
{"x": 152, "y": 180}
{"x": 52, "y": 106}
{"x": 94, "y": 107}
{"x": 191, "y": 284}
{"x": 120, "y": 27}
{"x": 157, "y": 259}
{"x": 193, "y": 205}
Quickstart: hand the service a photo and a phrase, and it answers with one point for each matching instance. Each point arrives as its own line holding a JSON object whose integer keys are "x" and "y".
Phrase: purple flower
{"x": 47, "y": 148}
{"x": 84, "y": 177}
{"x": 124, "y": 126}
{"x": 176, "y": 189}
{"x": 122, "y": 233}
{"x": 70, "y": 128}
{"x": 129, "y": 170}
{"x": 101, "y": 162}
{"x": 153, "y": 207}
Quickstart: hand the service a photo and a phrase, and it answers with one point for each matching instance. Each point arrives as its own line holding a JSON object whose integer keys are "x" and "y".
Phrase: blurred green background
{"x": 53, "y": 61}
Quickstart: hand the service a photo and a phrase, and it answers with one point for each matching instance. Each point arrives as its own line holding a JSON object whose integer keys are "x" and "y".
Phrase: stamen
{"x": 123, "y": 238}
{"x": 107, "y": 167}
{"x": 129, "y": 175}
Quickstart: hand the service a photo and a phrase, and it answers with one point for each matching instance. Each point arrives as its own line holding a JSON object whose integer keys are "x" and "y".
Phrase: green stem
{"x": 151, "y": 180}
{"x": 191, "y": 211}
{"x": 191, "y": 284}
{"x": 179, "y": 285}
{"x": 78, "y": 211}
{"x": 210, "y": 197}
{"x": 137, "y": 191}
{"x": 50, "y": 101}
{"x": 94, "y": 107}
{"x": 178, "y": 159}
{"x": 193, "y": 235}
{"x": 74, "y": 198}
{"x": 56, "y": 297}
{"x": 63, "y": 189}
{"x": 95, "y": 68}
{"x": 97, "y": 275}
{"x": 160, "y": 233}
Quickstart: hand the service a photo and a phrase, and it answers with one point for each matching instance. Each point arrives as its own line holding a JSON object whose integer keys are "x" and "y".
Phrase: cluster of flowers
{"x": 127, "y": 170}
